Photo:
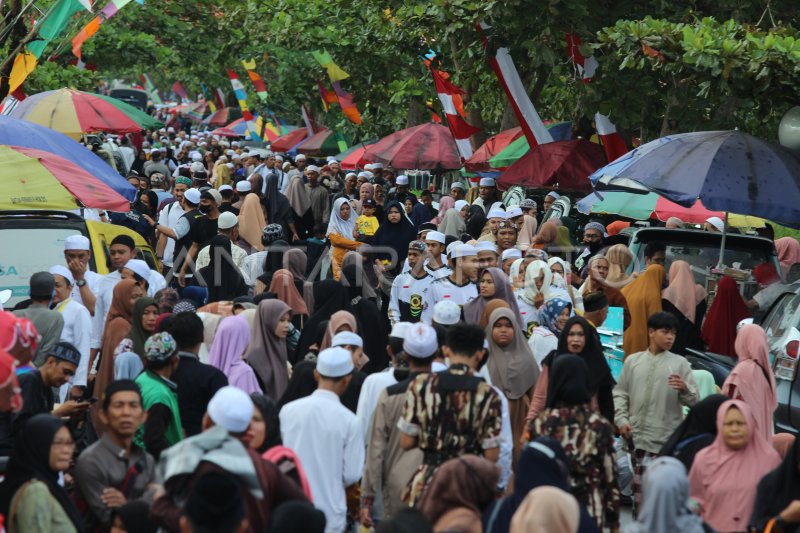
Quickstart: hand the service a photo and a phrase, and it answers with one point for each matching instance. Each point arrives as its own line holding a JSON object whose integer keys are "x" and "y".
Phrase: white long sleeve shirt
{"x": 371, "y": 391}
{"x": 104, "y": 295}
{"x": 327, "y": 438}
{"x": 93, "y": 280}
{"x": 78, "y": 332}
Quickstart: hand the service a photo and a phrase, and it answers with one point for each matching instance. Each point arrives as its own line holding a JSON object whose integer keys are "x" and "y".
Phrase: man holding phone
{"x": 653, "y": 388}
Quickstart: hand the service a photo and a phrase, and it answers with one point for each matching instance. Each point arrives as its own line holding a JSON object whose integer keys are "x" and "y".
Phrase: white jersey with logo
{"x": 444, "y": 289}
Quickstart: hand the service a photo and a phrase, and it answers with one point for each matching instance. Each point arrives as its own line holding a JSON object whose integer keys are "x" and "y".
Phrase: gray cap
{"x": 42, "y": 285}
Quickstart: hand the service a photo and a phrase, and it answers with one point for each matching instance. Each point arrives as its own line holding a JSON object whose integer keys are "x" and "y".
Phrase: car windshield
{"x": 34, "y": 250}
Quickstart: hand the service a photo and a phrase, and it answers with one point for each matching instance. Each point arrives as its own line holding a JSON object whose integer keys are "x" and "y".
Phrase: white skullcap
{"x": 377, "y": 166}
{"x": 460, "y": 204}
{"x": 77, "y": 242}
{"x": 485, "y": 246}
{"x": 464, "y": 250}
{"x": 331, "y": 159}
{"x": 717, "y": 223}
{"x": 244, "y": 186}
{"x": 458, "y": 185}
{"x": 61, "y": 270}
{"x": 193, "y": 195}
{"x": 514, "y": 212}
{"x": 446, "y": 313}
{"x": 420, "y": 341}
{"x": 225, "y": 187}
{"x": 402, "y": 179}
{"x": 369, "y": 166}
{"x": 196, "y": 156}
{"x": 227, "y": 220}
{"x": 347, "y": 338}
{"x": 488, "y": 182}
{"x": 497, "y": 213}
{"x": 437, "y": 236}
{"x": 512, "y": 253}
{"x": 229, "y": 165}
{"x": 334, "y": 362}
{"x": 351, "y": 174}
{"x": 279, "y": 157}
{"x": 367, "y": 175}
{"x": 399, "y": 329}
{"x": 451, "y": 246}
{"x": 554, "y": 195}
{"x": 197, "y": 166}
{"x": 300, "y": 157}
{"x": 139, "y": 267}
{"x": 312, "y": 168}
{"x": 170, "y": 130}
{"x": 231, "y": 408}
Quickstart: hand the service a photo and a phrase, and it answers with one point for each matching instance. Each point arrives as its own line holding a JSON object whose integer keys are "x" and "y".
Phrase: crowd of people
{"x": 326, "y": 350}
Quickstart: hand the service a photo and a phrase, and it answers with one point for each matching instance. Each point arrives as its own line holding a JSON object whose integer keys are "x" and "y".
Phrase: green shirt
{"x": 156, "y": 390}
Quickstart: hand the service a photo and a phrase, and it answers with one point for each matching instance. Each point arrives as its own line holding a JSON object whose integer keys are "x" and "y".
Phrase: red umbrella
{"x": 225, "y": 132}
{"x": 427, "y": 146}
{"x": 565, "y": 164}
{"x": 223, "y": 116}
{"x": 355, "y": 159}
{"x": 479, "y": 162}
{"x": 286, "y": 142}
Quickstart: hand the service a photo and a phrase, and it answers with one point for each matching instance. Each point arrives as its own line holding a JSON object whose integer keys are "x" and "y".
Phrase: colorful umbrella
{"x": 479, "y": 162}
{"x": 286, "y": 142}
{"x": 240, "y": 126}
{"x": 29, "y": 135}
{"x": 426, "y": 147}
{"x": 75, "y": 112}
{"x": 562, "y": 164}
{"x": 324, "y": 142}
{"x": 223, "y": 116}
{"x": 146, "y": 121}
{"x": 353, "y": 158}
{"x": 35, "y": 179}
{"x": 560, "y": 131}
{"x": 226, "y": 132}
{"x": 728, "y": 170}
{"x": 651, "y": 205}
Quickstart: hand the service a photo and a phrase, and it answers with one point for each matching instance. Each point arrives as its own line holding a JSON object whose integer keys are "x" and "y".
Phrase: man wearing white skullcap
{"x": 487, "y": 254}
{"x": 435, "y": 260}
{"x": 459, "y": 286}
{"x": 407, "y": 295}
{"x": 550, "y": 199}
{"x": 390, "y": 468}
{"x": 487, "y": 194}
{"x": 336, "y": 461}
{"x": 77, "y": 253}
{"x": 714, "y": 225}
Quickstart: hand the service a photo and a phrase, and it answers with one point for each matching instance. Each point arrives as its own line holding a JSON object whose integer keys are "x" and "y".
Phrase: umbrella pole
{"x": 720, "y": 264}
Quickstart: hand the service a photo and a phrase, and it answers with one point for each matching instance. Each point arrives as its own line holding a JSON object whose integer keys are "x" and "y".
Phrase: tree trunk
{"x": 416, "y": 114}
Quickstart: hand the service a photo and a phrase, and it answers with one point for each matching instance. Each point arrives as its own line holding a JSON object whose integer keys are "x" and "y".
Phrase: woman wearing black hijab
{"x": 698, "y": 430}
{"x": 329, "y": 296}
{"x": 221, "y": 277}
{"x": 31, "y": 500}
{"x": 269, "y": 413}
{"x": 395, "y": 232}
{"x": 278, "y": 209}
{"x": 476, "y": 220}
{"x": 777, "y": 491}
{"x": 370, "y": 323}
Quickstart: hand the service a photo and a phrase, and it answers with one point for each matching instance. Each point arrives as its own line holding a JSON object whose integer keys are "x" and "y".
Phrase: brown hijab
{"x": 295, "y": 261}
{"x": 468, "y": 482}
{"x": 489, "y": 309}
{"x": 283, "y": 285}
{"x": 513, "y": 368}
{"x": 252, "y": 221}
{"x": 297, "y": 194}
{"x": 118, "y": 326}
{"x": 267, "y": 352}
{"x": 338, "y": 319}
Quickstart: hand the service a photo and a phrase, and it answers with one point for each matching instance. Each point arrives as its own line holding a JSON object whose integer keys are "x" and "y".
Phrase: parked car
{"x": 782, "y": 324}
{"x": 32, "y": 241}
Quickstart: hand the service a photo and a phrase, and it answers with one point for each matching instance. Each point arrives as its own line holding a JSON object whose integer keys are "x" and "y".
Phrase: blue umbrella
{"x": 727, "y": 170}
{"x": 18, "y": 132}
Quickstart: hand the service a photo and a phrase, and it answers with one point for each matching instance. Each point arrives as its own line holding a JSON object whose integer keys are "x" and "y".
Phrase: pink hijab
{"x": 724, "y": 481}
{"x": 445, "y": 203}
{"x": 752, "y": 380}
{"x": 230, "y": 344}
{"x": 683, "y": 292}
{"x": 788, "y": 253}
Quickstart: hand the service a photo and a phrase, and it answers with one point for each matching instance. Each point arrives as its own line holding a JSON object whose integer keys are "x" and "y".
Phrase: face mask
{"x": 595, "y": 246}
{"x": 203, "y": 209}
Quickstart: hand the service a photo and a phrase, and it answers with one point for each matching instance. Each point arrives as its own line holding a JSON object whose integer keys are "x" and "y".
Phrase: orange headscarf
{"x": 283, "y": 285}
{"x": 252, "y": 221}
{"x": 644, "y": 299}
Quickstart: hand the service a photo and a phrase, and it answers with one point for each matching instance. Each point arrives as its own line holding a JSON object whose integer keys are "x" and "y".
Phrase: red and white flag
{"x": 613, "y": 143}
{"x": 585, "y": 66}
{"x": 532, "y": 126}
{"x": 460, "y": 129}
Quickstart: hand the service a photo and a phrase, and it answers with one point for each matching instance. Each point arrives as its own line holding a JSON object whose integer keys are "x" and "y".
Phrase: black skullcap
{"x": 125, "y": 240}
{"x": 66, "y": 351}
{"x": 215, "y": 502}
{"x": 594, "y": 301}
{"x": 119, "y": 385}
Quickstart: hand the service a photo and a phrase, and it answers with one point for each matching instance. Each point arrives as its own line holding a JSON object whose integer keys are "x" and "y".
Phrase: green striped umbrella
{"x": 561, "y": 131}
{"x": 146, "y": 121}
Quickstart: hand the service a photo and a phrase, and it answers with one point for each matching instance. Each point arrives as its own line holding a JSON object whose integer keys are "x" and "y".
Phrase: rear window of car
{"x": 27, "y": 251}
{"x": 784, "y": 315}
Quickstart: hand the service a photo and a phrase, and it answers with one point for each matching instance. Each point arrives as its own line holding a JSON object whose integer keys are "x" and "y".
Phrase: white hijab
{"x": 533, "y": 271}
{"x": 337, "y": 224}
